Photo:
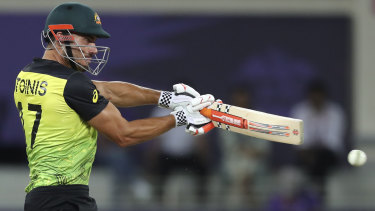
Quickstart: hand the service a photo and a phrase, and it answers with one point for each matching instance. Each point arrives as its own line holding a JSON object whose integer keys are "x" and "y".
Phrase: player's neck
{"x": 55, "y": 56}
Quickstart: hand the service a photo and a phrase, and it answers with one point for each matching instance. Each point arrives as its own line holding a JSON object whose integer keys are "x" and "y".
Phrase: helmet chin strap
{"x": 70, "y": 54}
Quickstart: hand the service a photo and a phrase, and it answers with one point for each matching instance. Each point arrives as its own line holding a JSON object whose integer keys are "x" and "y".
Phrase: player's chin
{"x": 82, "y": 67}
{"x": 85, "y": 63}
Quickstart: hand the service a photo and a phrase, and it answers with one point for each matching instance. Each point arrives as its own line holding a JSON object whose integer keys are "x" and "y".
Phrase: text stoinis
{"x": 31, "y": 87}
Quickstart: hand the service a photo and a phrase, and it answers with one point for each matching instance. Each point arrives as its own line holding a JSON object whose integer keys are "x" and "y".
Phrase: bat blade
{"x": 255, "y": 123}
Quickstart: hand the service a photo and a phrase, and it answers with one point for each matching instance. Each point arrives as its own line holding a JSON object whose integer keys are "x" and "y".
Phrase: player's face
{"x": 84, "y": 54}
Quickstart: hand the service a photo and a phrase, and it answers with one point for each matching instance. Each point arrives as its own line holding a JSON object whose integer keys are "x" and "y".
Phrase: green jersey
{"x": 54, "y": 104}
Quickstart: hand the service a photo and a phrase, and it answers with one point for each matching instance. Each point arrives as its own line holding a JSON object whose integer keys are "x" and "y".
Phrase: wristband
{"x": 180, "y": 118}
{"x": 165, "y": 99}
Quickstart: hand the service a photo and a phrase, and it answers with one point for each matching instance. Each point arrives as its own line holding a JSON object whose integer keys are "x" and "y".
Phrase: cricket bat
{"x": 255, "y": 123}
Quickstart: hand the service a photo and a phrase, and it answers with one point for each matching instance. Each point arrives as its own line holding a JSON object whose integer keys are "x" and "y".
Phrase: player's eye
{"x": 90, "y": 39}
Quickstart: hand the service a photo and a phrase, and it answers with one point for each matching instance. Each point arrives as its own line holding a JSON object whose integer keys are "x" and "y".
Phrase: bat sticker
{"x": 269, "y": 132}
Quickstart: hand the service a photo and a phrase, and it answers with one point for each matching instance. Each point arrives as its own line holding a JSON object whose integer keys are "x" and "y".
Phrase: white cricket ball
{"x": 357, "y": 157}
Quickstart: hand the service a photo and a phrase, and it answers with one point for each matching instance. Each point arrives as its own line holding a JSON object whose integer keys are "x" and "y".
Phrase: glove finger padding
{"x": 185, "y": 89}
{"x": 201, "y": 102}
{"x": 194, "y": 117}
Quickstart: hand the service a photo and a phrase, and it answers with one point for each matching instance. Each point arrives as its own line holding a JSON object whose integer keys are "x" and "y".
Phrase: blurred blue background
{"x": 273, "y": 48}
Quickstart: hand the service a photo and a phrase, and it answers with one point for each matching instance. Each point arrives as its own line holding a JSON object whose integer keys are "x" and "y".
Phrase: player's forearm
{"x": 110, "y": 123}
{"x": 124, "y": 94}
{"x": 141, "y": 130}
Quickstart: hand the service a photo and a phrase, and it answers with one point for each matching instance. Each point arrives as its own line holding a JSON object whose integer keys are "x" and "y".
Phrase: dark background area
{"x": 276, "y": 57}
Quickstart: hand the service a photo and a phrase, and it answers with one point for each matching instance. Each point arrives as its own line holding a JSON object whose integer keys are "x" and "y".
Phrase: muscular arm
{"x": 110, "y": 123}
{"x": 124, "y": 94}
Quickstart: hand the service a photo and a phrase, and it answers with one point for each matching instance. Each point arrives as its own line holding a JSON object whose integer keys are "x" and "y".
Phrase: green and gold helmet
{"x": 76, "y": 18}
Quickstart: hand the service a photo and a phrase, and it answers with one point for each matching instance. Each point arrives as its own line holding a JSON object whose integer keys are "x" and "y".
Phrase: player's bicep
{"x": 110, "y": 123}
{"x": 101, "y": 86}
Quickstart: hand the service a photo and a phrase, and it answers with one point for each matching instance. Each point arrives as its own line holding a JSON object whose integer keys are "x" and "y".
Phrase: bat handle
{"x": 207, "y": 112}
{"x": 208, "y": 127}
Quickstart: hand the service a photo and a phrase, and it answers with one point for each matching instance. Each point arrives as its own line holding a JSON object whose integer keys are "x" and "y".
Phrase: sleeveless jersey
{"x": 54, "y": 104}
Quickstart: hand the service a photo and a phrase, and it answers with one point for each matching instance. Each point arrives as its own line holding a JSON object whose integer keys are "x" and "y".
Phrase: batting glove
{"x": 181, "y": 96}
{"x": 190, "y": 114}
{"x": 197, "y": 130}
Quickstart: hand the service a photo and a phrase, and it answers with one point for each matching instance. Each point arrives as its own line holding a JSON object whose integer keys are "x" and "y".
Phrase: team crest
{"x": 97, "y": 19}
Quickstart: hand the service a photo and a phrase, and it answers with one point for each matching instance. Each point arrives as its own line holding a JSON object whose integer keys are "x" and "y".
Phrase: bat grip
{"x": 207, "y": 112}
{"x": 208, "y": 127}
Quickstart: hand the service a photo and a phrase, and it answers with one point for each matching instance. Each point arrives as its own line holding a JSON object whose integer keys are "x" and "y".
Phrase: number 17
{"x": 38, "y": 116}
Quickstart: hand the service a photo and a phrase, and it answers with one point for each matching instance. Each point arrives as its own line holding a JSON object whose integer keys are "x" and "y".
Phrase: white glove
{"x": 181, "y": 96}
{"x": 190, "y": 114}
{"x": 185, "y": 90}
{"x": 201, "y": 102}
{"x": 197, "y": 130}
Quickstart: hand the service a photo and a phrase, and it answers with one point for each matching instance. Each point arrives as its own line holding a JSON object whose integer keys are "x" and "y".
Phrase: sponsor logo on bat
{"x": 229, "y": 120}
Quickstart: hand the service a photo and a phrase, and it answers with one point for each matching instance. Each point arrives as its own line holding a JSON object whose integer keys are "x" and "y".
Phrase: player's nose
{"x": 92, "y": 49}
